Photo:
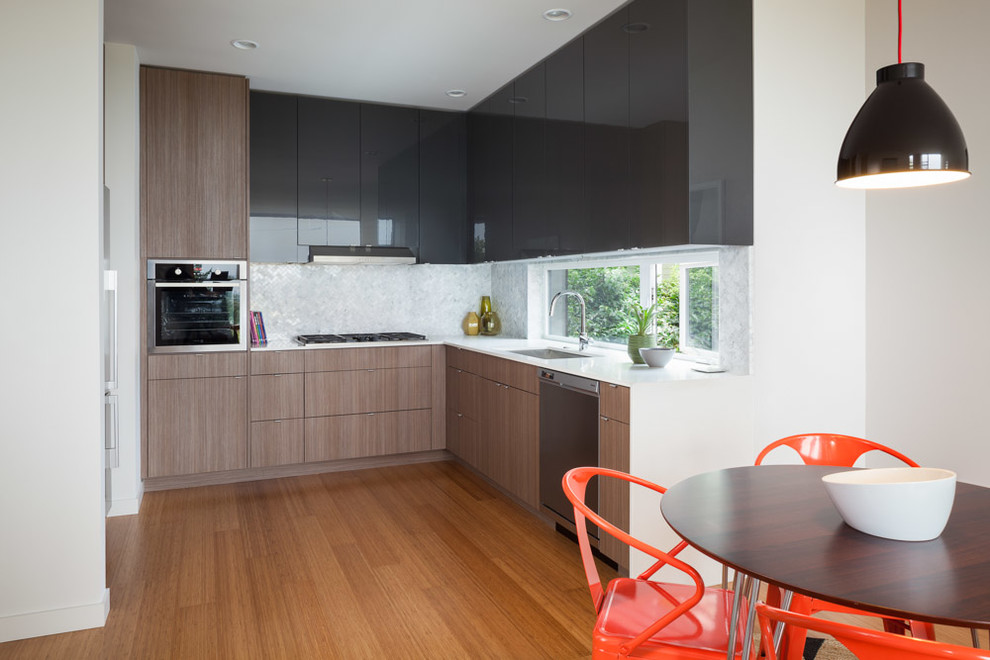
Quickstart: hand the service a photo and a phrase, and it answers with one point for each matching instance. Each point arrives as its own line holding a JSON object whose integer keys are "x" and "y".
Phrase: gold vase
{"x": 471, "y": 324}
{"x": 491, "y": 324}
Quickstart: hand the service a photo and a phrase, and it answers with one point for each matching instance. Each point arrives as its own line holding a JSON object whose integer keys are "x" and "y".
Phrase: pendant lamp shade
{"x": 904, "y": 135}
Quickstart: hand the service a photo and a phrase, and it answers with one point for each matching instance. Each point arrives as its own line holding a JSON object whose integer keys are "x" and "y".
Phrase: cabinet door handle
{"x": 277, "y": 421}
{"x": 370, "y": 371}
{"x": 277, "y": 375}
{"x": 612, "y": 385}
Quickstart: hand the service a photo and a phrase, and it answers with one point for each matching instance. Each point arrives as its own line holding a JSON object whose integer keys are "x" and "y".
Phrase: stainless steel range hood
{"x": 359, "y": 254}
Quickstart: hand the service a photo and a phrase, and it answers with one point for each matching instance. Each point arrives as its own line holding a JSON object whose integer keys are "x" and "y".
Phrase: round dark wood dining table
{"x": 777, "y": 523}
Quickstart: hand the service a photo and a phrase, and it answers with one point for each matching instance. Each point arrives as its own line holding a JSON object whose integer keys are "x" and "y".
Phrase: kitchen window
{"x": 683, "y": 286}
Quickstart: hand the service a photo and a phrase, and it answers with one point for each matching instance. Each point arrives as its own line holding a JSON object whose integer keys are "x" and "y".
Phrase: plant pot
{"x": 637, "y": 342}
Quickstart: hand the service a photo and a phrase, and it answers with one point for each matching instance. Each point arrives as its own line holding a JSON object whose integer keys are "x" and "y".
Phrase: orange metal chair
{"x": 842, "y": 451}
{"x": 865, "y": 644}
{"x": 642, "y": 618}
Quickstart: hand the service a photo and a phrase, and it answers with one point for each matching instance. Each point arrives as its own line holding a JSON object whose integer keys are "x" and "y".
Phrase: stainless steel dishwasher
{"x": 568, "y": 439}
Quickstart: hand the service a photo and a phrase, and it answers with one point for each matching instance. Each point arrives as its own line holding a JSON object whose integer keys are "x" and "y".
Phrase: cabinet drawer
{"x": 370, "y": 390}
{"x": 501, "y": 370}
{"x": 278, "y": 396}
{"x": 276, "y": 362}
{"x": 276, "y": 443}
{"x": 385, "y": 357}
{"x": 197, "y": 365}
{"x": 376, "y": 434}
{"x": 614, "y": 402}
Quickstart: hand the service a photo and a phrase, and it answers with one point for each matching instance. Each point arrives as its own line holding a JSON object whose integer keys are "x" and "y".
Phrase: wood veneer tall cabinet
{"x": 194, "y": 164}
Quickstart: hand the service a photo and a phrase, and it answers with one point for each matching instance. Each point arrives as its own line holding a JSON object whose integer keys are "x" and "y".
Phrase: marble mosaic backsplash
{"x": 424, "y": 298}
{"x": 432, "y": 299}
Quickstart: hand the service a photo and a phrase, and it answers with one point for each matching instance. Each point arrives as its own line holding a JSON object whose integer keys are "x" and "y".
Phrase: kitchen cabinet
{"x": 567, "y": 209}
{"x": 197, "y": 423}
{"x": 367, "y": 402}
{"x": 720, "y": 122}
{"x": 531, "y": 201}
{"x": 493, "y": 420}
{"x": 274, "y": 162}
{"x": 443, "y": 237}
{"x": 658, "y": 123}
{"x": 389, "y": 176}
{"x": 194, "y": 164}
{"x": 606, "y": 116}
{"x": 645, "y": 138}
{"x": 613, "y": 453}
{"x": 276, "y": 408}
{"x": 329, "y": 172}
{"x": 490, "y": 177}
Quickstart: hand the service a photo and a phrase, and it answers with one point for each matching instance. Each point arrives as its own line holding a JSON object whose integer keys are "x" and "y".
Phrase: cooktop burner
{"x": 358, "y": 337}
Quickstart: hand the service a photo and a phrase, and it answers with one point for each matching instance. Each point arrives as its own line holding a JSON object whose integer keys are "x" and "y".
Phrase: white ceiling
{"x": 405, "y": 52}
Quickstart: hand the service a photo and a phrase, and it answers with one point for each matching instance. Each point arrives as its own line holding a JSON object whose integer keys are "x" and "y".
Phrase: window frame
{"x": 648, "y": 268}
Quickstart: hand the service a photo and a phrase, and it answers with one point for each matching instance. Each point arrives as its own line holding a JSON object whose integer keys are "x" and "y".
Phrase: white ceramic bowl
{"x": 657, "y": 356}
{"x": 902, "y": 503}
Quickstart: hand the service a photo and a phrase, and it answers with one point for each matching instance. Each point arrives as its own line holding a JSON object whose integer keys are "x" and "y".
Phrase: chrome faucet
{"x": 583, "y": 335}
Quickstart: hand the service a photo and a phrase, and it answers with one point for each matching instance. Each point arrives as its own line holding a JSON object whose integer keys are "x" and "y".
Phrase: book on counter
{"x": 258, "y": 335}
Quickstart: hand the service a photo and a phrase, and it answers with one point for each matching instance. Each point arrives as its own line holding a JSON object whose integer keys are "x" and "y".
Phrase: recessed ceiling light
{"x": 244, "y": 44}
{"x": 456, "y": 93}
{"x": 557, "y": 14}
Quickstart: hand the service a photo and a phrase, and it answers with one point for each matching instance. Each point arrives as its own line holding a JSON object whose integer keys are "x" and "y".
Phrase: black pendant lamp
{"x": 904, "y": 135}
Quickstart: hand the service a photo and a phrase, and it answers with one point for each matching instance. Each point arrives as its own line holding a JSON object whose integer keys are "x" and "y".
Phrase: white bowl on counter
{"x": 901, "y": 503}
{"x": 657, "y": 356}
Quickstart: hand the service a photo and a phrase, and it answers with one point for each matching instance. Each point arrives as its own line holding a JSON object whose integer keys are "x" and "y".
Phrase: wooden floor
{"x": 419, "y": 561}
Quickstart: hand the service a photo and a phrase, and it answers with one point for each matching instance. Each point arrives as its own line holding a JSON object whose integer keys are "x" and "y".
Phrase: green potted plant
{"x": 641, "y": 330}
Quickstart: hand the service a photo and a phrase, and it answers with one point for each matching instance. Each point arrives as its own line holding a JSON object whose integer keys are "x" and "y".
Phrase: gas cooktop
{"x": 358, "y": 337}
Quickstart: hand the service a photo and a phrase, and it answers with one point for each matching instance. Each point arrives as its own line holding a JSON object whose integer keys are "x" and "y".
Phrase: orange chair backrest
{"x": 575, "y": 483}
{"x": 831, "y": 449}
{"x": 864, "y": 643}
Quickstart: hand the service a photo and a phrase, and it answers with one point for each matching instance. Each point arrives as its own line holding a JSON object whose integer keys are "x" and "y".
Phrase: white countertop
{"x": 608, "y": 365}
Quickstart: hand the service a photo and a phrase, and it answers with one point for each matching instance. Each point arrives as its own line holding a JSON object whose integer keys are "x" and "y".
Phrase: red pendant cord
{"x": 900, "y": 29}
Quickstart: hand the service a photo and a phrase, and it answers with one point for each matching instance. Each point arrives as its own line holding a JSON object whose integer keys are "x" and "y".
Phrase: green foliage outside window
{"x": 609, "y": 294}
{"x": 702, "y": 308}
{"x": 669, "y": 311}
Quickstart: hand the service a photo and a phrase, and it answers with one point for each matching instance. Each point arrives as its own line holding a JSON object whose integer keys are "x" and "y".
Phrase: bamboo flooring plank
{"x": 418, "y": 561}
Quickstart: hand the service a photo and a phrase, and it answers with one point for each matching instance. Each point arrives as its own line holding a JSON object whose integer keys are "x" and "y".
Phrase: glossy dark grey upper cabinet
{"x": 389, "y": 176}
{"x": 442, "y": 187}
{"x": 273, "y": 178}
{"x": 658, "y": 122}
{"x": 567, "y": 211}
{"x": 329, "y": 190}
{"x": 606, "y": 135}
{"x": 490, "y": 177}
{"x": 532, "y": 233}
{"x": 720, "y": 47}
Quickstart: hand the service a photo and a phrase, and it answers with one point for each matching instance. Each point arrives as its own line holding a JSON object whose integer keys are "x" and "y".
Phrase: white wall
{"x": 121, "y": 95}
{"x": 927, "y": 285}
{"x": 52, "y": 543}
{"x": 809, "y": 258}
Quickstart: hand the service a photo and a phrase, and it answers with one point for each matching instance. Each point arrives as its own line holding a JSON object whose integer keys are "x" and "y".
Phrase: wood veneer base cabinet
{"x": 194, "y": 164}
{"x": 492, "y": 425}
{"x": 361, "y": 402}
{"x": 197, "y": 416}
{"x": 276, "y": 408}
{"x": 613, "y": 452}
{"x": 197, "y": 425}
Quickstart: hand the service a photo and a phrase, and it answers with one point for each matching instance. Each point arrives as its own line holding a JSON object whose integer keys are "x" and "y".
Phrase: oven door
{"x": 197, "y": 316}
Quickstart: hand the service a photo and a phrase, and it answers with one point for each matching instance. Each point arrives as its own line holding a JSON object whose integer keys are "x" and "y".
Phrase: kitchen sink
{"x": 552, "y": 353}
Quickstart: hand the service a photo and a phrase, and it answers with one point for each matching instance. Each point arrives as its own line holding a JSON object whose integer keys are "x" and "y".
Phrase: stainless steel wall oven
{"x": 197, "y": 306}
